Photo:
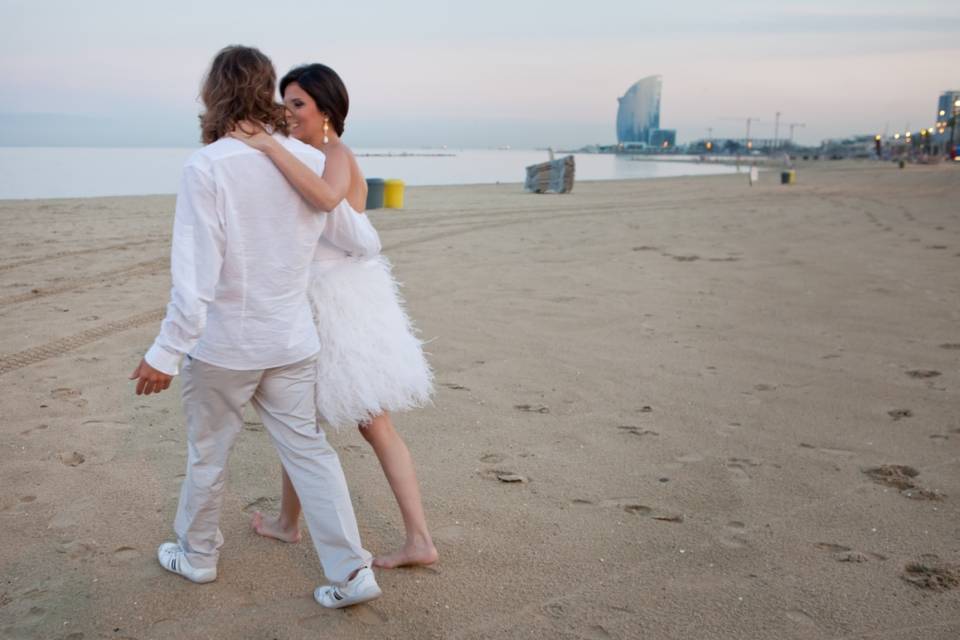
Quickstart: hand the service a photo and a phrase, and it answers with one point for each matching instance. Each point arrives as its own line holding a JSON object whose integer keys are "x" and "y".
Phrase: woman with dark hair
{"x": 371, "y": 362}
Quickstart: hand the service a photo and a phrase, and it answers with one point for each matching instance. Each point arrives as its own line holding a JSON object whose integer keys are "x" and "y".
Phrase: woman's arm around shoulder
{"x": 322, "y": 192}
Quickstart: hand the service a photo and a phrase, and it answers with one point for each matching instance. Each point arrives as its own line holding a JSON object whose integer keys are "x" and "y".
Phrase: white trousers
{"x": 213, "y": 400}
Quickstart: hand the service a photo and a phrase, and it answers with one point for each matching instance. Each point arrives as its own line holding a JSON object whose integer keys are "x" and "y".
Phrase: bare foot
{"x": 410, "y": 555}
{"x": 271, "y": 528}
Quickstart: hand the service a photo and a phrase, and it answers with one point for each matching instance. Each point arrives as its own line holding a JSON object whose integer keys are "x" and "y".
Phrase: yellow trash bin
{"x": 393, "y": 194}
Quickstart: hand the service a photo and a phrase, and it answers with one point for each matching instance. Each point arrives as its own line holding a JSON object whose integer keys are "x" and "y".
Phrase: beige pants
{"x": 213, "y": 399}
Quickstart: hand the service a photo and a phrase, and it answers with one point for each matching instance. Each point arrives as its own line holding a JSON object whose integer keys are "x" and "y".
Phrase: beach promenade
{"x": 672, "y": 408}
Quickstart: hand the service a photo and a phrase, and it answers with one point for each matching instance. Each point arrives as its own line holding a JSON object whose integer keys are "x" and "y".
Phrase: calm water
{"x": 51, "y": 172}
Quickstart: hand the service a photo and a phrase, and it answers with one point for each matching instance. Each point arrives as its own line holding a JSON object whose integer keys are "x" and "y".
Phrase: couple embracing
{"x": 281, "y": 299}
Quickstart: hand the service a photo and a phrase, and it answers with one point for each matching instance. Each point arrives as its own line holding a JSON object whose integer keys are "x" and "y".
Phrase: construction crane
{"x": 793, "y": 125}
{"x": 749, "y": 120}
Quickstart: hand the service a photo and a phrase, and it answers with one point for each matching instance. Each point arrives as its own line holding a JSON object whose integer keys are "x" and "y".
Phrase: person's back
{"x": 259, "y": 316}
{"x": 243, "y": 244}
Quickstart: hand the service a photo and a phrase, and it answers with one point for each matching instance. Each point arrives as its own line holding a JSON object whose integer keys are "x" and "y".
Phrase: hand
{"x": 253, "y": 135}
{"x": 149, "y": 380}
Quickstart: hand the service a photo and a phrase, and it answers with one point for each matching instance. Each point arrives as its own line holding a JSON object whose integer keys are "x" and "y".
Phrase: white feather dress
{"x": 370, "y": 359}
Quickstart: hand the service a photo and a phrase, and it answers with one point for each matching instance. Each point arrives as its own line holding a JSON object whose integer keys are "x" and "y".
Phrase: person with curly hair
{"x": 243, "y": 246}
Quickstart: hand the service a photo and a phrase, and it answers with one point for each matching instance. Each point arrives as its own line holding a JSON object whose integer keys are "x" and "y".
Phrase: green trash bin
{"x": 375, "y": 193}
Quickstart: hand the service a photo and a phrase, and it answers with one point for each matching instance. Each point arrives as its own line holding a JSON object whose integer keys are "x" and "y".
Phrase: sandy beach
{"x": 671, "y": 408}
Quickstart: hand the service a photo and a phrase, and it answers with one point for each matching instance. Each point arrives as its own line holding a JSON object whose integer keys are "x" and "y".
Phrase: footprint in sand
{"x": 844, "y": 453}
{"x": 554, "y": 610}
{"x": 636, "y": 431}
{"x": 39, "y": 427}
{"x": 74, "y": 459}
{"x": 636, "y": 509}
{"x": 902, "y": 477}
{"x": 107, "y": 424}
{"x": 952, "y": 346}
{"x": 800, "y": 617}
{"x": 124, "y": 554}
{"x": 492, "y": 458}
{"x": 78, "y": 550}
{"x": 367, "y": 614}
{"x": 897, "y": 414}
{"x": 932, "y": 574}
{"x": 454, "y": 386}
{"x": 739, "y": 468}
{"x": 262, "y": 504}
{"x": 831, "y": 547}
{"x": 734, "y": 535}
{"x": 842, "y": 553}
{"x": 450, "y": 533}
{"x": 691, "y": 258}
{"x": 629, "y": 504}
{"x": 532, "y": 408}
{"x": 505, "y": 476}
{"x": 728, "y": 429}
{"x": 923, "y": 374}
{"x": 598, "y": 632}
{"x": 69, "y": 395}
{"x": 65, "y": 393}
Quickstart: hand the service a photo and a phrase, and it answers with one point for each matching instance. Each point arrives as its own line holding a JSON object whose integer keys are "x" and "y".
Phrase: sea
{"x": 79, "y": 172}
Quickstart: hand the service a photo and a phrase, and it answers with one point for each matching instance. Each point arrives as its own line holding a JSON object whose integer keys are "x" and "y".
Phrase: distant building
{"x": 945, "y": 107}
{"x": 944, "y": 134}
{"x": 638, "y": 117}
{"x": 663, "y": 138}
{"x": 639, "y": 110}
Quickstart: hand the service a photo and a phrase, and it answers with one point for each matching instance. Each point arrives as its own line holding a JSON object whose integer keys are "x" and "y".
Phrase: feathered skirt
{"x": 370, "y": 359}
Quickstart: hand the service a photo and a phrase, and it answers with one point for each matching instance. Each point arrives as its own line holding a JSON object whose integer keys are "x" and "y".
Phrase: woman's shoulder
{"x": 338, "y": 153}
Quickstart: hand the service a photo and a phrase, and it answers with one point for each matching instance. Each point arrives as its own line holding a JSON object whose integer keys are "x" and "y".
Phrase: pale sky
{"x": 523, "y": 73}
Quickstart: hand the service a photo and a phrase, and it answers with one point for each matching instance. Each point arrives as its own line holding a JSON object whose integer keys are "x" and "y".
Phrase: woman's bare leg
{"x": 286, "y": 526}
{"x": 398, "y": 467}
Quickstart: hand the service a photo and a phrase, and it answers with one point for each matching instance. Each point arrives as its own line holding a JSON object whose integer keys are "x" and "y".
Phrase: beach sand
{"x": 690, "y": 378}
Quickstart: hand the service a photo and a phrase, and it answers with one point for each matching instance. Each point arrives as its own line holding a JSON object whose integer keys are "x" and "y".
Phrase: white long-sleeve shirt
{"x": 243, "y": 243}
{"x": 347, "y": 234}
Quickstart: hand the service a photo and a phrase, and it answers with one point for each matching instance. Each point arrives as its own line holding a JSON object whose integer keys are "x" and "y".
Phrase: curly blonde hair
{"x": 240, "y": 85}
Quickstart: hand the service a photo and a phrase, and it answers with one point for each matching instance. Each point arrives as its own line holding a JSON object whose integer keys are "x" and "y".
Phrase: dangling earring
{"x": 326, "y": 127}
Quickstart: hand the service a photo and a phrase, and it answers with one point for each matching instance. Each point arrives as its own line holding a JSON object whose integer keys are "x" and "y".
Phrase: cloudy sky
{"x": 524, "y": 73}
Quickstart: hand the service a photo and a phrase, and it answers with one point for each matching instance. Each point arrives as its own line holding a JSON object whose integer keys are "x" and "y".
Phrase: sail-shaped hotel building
{"x": 638, "y": 118}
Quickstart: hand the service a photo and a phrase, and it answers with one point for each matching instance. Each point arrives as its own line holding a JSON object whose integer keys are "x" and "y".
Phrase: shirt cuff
{"x": 163, "y": 360}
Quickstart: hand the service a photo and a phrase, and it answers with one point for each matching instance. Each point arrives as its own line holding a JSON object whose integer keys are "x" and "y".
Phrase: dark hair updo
{"x": 325, "y": 87}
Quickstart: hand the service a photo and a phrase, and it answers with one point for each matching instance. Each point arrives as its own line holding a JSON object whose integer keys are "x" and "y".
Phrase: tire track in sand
{"x": 59, "y": 347}
{"x": 149, "y": 267}
{"x": 76, "y": 252}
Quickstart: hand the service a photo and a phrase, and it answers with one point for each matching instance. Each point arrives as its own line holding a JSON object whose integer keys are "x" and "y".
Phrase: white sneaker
{"x": 362, "y": 588}
{"x": 172, "y": 558}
